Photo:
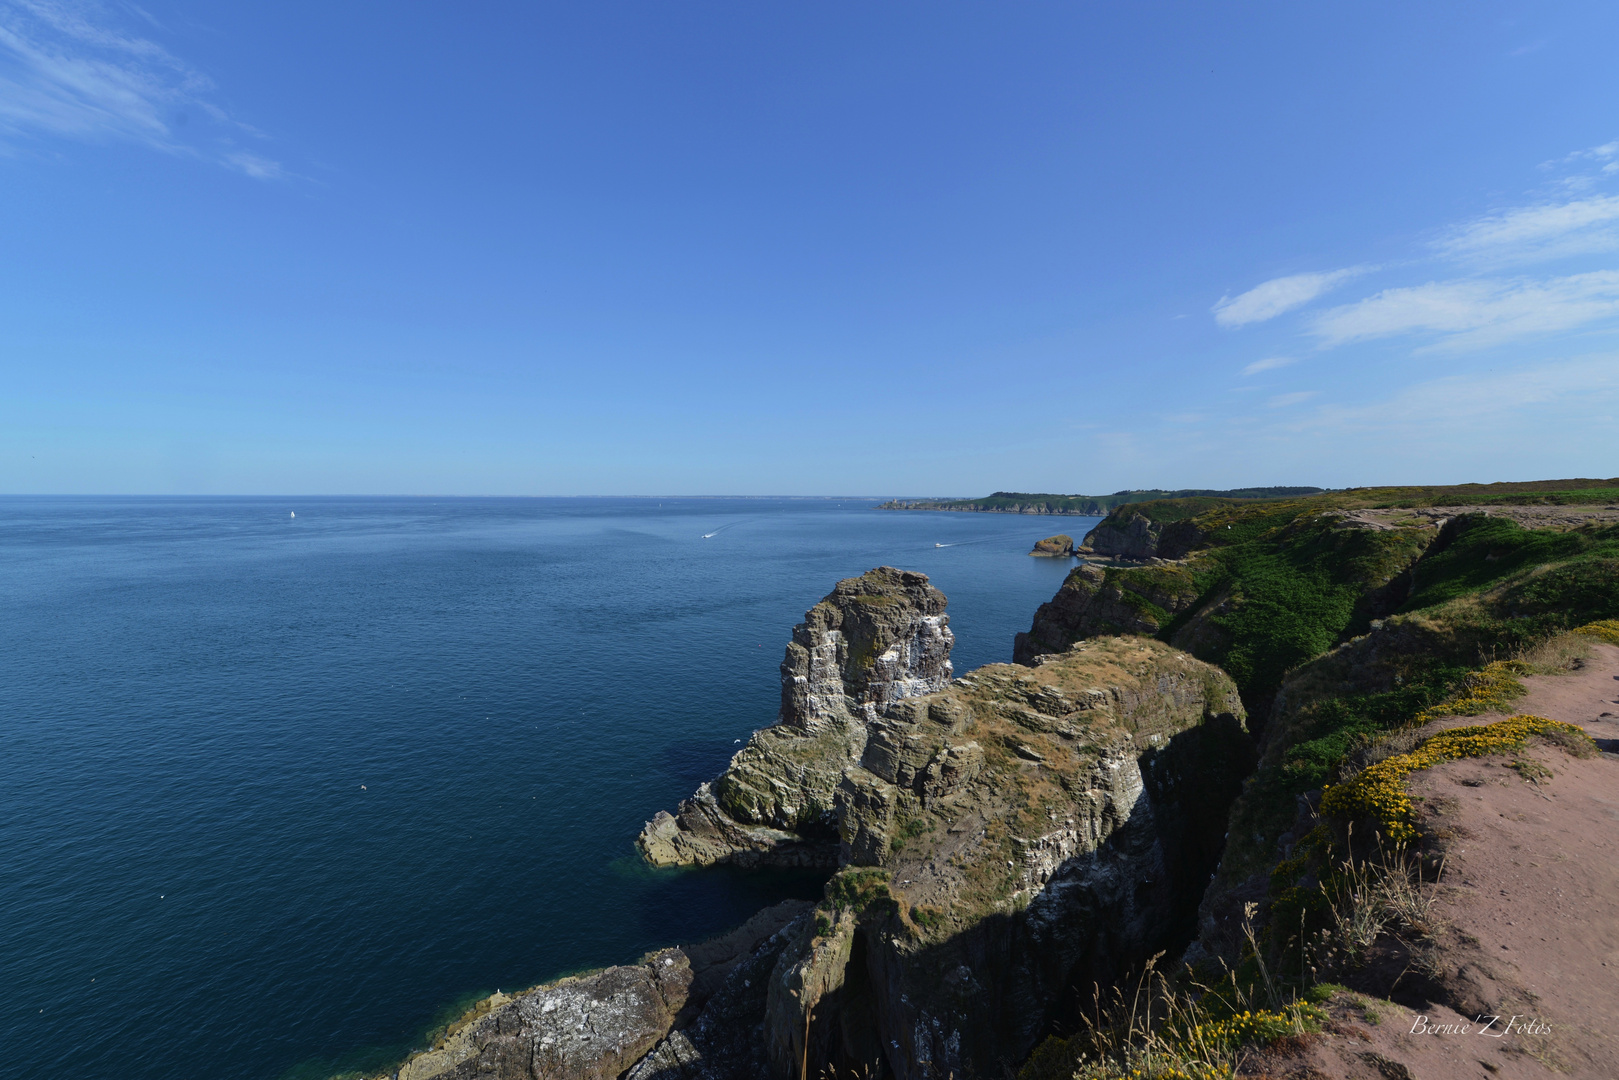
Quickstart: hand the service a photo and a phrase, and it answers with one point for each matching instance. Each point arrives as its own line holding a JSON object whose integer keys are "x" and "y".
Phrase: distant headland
{"x": 1018, "y": 502}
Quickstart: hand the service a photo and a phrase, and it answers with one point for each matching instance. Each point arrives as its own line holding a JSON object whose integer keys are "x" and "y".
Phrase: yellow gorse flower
{"x": 1481, "y": 691}
{"x": 1378, "y": 792}
{"x": 1606, "y": 629}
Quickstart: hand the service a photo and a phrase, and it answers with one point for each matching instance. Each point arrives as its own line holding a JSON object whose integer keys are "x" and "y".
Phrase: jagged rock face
{"x": 1093, "y": 602}
{"x": 1036, "y": 829}
{"x": 873, "y": 641}
{"x": 1128, "y": 534}
{"x": 1002, "y": 837}
{"x": 814, "y": 968}
{"x": 1124, "y": 536}
{"x": 728, "y": 1039}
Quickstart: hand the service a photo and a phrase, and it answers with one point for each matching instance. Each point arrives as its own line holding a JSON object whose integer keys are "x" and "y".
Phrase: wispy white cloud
{"x": 1475, "y": 313}
{"x": 67, "y": 69}
{"x": 1546, "y": 230}
{"x": 1270, "y": 363}
{"x": 1471, "y": 310}
{"x": 1592, "y": 153}
{"x": 257, "y": 167}
{"x": 1279, "y": 295}
{"x": 1297, "y": 397}
{"x": 1574, "y": 389}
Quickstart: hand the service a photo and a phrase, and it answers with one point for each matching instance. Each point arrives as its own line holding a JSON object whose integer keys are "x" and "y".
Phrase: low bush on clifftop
{"x": 1377, "y": 794}
{"x": 1174, "y": 1029}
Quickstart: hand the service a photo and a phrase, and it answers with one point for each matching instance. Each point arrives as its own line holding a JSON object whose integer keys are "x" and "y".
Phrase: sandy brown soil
{"x": 1527, "y": 925}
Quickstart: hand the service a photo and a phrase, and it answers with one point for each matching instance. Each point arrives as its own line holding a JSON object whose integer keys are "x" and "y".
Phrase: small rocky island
{"x": 1060, "y": 546}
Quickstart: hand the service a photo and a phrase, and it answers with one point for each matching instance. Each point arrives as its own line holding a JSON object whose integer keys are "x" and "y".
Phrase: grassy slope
{"x": 1299, "y": 583}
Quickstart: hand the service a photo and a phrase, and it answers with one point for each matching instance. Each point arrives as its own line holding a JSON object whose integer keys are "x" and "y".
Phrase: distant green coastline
{"x": 1018, "y": 502}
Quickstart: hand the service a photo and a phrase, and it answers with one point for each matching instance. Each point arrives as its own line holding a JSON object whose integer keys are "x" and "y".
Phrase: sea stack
{"x": 872, "y": 641}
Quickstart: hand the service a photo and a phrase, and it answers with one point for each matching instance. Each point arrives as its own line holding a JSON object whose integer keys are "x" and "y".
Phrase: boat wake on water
{"x": 980, "y": 540}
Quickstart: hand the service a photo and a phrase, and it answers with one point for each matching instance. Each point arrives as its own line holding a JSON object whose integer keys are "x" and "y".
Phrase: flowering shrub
{"x": 1379, "y": 794}
{"x": 1192, "y": 1045}
{"x": 1259, "y": 1026}
{"x": 1606, "y": 629}
{"x": 1481, "y": 691}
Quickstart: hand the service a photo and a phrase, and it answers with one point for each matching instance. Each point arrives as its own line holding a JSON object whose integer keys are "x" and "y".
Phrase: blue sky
{"x": 791, "y": 248}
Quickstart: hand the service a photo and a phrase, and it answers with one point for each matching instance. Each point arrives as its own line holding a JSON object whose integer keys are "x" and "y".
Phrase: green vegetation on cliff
{"x": 1581, "y": 491}
{"x": 1275, "y": 583}
{"x": 1348, "y": 620}
{"x": 1293, "y": 584}
{"x": 1486, "y": 590}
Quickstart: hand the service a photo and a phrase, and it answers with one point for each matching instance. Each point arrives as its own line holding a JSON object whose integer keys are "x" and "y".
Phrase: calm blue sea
{"x": 277, "y": 794}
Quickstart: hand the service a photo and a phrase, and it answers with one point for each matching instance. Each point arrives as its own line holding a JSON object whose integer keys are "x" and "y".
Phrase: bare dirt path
{"x": 1530, "y": 909}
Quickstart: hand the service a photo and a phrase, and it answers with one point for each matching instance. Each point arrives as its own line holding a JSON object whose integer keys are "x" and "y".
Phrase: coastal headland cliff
{"x": 1019, "y": 502}
{"x": 1258, "y": 745}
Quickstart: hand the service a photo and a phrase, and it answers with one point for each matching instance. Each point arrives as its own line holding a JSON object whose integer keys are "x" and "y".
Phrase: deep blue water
{"x": 277, "y": 794}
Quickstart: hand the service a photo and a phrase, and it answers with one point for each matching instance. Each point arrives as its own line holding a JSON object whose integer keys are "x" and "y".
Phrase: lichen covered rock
{"x": 873, "y": 641}
{"x": 1017, "y": 833}
{"x": 592, "y": 1027}
{"x": 998, "y": 839}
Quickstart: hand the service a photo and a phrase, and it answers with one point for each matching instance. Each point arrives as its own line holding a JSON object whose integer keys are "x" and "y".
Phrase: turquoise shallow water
{"x": 277, "y": 793}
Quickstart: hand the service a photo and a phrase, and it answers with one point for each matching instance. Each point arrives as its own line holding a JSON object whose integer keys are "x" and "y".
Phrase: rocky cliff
{"x": 1256, "y": 587}
{"x": 999, "y": 839}
{"x": 1096, "y": 601}
{"x": 874, "y": 640}
{"x": 1002, "y": 844}
{"x": 1005, "y": 844}
{"x": 1136, "y": 536}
